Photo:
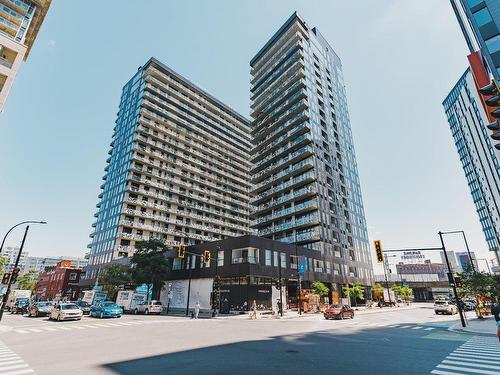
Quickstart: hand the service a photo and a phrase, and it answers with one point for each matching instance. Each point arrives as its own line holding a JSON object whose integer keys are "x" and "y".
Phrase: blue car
{"x": 106, "y": 309}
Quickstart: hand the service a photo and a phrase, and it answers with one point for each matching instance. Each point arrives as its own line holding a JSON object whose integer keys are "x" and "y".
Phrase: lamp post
{"x": 466, "y": 246}
{"x": 6, "y": 295}
{"x": 21, "y": 223}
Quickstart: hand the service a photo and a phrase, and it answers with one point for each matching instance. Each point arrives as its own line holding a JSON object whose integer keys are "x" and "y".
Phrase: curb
{"x": 459, "y": 329}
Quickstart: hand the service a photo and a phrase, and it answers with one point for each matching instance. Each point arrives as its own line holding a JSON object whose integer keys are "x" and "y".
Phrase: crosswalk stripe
{"x": 428, "y": 329}
{"x": 34, "y": 330}
{"x": 462, "y": 363}
{"x": 394, "y": 326}
{"x": 77, "y": 327}
{"x": 405, "y": 327}
{"x": 14, "y": 367}
{"x": 49, "y": 329}
{"x": 477, "y": 352}
{"x": 439, "y": 372}
{"x": 21, "y": 331}
{"x": 64, "y": 328}
{"x": 11, "y": 362}
{"x": 89, "y": 326}
{"x": 476, "y": 371}
{"x": 417, "y": 327}
{"x": 485, "y": 348}
{"x": 19, "y": 372}
{"x": 453, "y": 356}
{"x": 474, "y": 355}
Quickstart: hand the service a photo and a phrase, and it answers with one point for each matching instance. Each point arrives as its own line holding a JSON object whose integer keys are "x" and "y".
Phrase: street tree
{"x": 3, "y": 263}
{"x": 320, "y": 288}
{"x": 115, "y": 277}
{"x": 406, "y": 292}
{"x": 355, "y": 292}
{"x": 28, "y": 280}
{"x": 477, "y": 283}
{"x": 150, "y": 265}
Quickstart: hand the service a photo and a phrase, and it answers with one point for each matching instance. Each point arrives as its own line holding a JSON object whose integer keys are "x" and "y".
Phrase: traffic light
{"x": 5, "y": 278}
{"x": 378, "y": 251}
{"x": 206, "y": 256}
{"x": 458, "y": 282}
{"x": 15, "y": 272}
{"x": 181, "y": 251}
{"x": 491, "y": 93}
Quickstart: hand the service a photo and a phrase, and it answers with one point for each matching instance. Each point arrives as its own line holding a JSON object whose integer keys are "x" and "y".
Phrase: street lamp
{"x": 466, "y": 246}
{"x": 21, "y": 223}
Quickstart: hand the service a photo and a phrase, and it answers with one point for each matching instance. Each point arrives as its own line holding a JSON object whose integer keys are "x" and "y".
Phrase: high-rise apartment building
{"x": 305, "y": 181}
{"x": 10, "y": 253}
{"x": 20, "y": 21}
{"x": 467, "y": 119}
{"x": 178, "y": 168}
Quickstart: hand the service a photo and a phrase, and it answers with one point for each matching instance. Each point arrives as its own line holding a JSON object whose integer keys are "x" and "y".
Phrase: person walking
{"x": 196, "y": 310}
{"x": 495, "y": 311}
{"x": 253, "y": 313}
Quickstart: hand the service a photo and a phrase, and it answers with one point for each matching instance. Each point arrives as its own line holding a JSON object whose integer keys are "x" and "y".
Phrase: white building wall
{"x": 200, "y": 292}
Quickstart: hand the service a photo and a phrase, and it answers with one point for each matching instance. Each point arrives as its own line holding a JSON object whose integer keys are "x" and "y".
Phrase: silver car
{"x": 66, "y": 311}
{"x": 151, "y": 307}
{"x": 445, "y": 307}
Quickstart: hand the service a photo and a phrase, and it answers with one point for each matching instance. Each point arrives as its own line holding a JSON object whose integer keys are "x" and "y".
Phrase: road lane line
{"x": 476, "y": 371}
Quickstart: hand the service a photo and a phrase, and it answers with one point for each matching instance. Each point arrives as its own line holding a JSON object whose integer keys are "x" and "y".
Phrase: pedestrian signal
{"x": 206, "y": 256}
{"x": 378, "y": 251}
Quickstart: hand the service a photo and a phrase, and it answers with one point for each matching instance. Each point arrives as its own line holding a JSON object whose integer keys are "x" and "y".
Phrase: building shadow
{"x": 367, "y": 351}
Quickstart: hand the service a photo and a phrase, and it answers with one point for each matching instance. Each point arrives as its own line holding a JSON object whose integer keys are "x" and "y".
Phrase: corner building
{"x": 305, "y": 181}
{"x": 178, "y": 169}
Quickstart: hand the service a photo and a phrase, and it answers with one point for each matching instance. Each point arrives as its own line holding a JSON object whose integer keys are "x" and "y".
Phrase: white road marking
{"x": 417, "y": 327}
{"x": 19, "y": 372}
{"x": 405, "y": 326}
{"x": 469, "y": 358}
{"x": 428, "y": 329}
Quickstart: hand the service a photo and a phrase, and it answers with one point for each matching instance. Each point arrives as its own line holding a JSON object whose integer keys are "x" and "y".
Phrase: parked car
{"x": 42, "y": 308}
{"x": 66, "y": 311}
{"x": 469, "y": 305}
{"x": 149, "y": 307}
{"x": 338, "y": 312}
{"x": 106, "y": 309}
{"x": 84, "y": 306}
{"x": 445, "y": 307}
{"x": 20, "y": 306}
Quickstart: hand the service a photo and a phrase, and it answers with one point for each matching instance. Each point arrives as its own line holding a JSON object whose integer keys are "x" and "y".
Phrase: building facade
{"x": 483, "y": 18}
{"x": 305, "y": 182}
{"x": 178, "y": 168}
{"x": 248, "y": 268}
{"x": 467, "y": 121}
{"x": 426, "y": 268}
{"x": 20, "y": 21}
{"x": 38, "y": 264}
{"x": 10, "y": 253}
{"x": 59, "y": 282}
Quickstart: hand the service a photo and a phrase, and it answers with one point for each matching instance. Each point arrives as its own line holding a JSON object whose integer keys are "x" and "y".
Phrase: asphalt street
{"x": 391, "y": 341}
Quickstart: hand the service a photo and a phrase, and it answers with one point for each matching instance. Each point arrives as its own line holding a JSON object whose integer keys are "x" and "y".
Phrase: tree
{"x": 478, "y": 283}
{"x": 405, "y": 292}
{"x": 28, "y": 280}
{"x": 377, "y": 288}
{"x": 3, "y": 263}
{"x": 320, "y": 288}
{"x": 115, "y": 277}
{"x": 150, "y": 265}
{"x": 355, "y": 292}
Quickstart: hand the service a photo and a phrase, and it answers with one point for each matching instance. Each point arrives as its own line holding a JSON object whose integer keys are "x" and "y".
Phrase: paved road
{"x": 385, "y": 342}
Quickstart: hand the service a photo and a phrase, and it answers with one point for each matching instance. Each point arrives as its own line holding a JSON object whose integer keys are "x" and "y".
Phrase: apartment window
{"x": 73, "y": 276}
{"x": 294, "y": 261}
{"x": 275, "y": 258}
{"x": 268, "y": 255}
{"x": 482, "y": 17}
{"x": 245, "y": 255}
{"x": 283, "y": 260}
{"x": 493, "y": 44}
{"x": 220, "y": 258}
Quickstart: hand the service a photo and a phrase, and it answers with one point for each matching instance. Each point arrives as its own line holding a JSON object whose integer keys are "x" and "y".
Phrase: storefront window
{"x": 245, "y": 255}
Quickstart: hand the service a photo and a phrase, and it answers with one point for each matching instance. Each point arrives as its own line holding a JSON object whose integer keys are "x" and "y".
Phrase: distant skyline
{"x": 400, "y": 59}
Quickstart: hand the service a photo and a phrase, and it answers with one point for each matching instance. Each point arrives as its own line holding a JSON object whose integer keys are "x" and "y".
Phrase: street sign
{"x": 302, "y": 264}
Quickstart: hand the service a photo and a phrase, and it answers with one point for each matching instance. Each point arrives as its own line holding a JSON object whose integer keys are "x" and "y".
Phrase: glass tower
{"x": 305, "y": 184}
{"x": 178, "y": 168}
{"x": 467, "y": 120}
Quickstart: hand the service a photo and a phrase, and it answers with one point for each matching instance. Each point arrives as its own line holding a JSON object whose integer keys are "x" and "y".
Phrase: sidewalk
{"x": 481, "y": 327}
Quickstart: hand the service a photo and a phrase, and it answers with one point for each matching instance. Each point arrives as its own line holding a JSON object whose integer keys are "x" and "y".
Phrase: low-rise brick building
{"x": 59, "y": 282}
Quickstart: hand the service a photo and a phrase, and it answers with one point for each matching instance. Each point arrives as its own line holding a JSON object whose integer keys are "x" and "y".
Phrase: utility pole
{"x": 189, "y": 285}
{"x": 280, "y": 284}
{"x": 299, "y": 282}
{"x": 216, "y": 286}
{"x": 386, "y": 280}
{"x": 6, "y": 295}
{"x": 454, "y": 287}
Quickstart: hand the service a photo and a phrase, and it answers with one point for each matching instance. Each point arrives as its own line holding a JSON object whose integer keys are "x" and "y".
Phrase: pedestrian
{"x": 253, "y": 313}
{"x": 496, "y": 313}
{"x": 196, "y": 310}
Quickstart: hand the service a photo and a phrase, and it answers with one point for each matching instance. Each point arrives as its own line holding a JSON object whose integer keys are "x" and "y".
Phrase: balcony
{"x": 289, "y": 159}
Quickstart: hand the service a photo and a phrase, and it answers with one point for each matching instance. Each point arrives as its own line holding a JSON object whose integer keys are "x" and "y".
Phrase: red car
{"x": 339, "y": 312}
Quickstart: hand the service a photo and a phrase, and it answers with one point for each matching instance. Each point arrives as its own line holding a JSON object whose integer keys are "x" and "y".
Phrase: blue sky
{"x": 400, "y": 59}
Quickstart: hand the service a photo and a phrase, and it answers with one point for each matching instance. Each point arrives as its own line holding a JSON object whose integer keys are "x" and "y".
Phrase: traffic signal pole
{"x": 6, "y": 295}
{"x": 453, "y": 285}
